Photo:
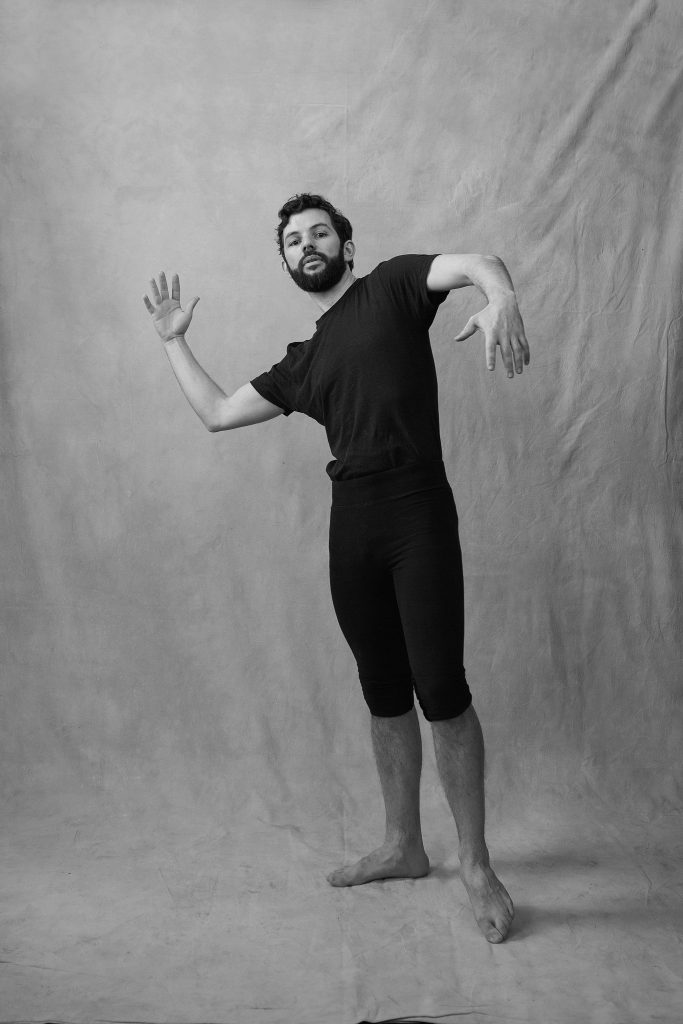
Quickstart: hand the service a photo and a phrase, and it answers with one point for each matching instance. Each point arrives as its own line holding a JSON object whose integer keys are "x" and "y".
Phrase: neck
{"x": 325, "y": 300}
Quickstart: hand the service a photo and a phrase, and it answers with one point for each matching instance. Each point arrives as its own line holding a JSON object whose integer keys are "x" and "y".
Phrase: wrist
{"x": 501, "y": 296}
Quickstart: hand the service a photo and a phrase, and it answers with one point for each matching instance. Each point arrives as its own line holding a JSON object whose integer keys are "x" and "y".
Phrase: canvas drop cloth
{"x": 184, "y": 749}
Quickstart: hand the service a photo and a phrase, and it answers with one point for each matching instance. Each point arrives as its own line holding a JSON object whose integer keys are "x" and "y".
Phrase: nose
{"x": 308, "y": 247}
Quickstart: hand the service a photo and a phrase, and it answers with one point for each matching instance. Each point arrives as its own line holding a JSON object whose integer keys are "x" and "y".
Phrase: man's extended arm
{"x": 215, "y": 409}
{"x": 500, "y": 321}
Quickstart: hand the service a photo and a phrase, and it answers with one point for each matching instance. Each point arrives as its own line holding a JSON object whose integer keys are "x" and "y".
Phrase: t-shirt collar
{"x": 339, "y": 300}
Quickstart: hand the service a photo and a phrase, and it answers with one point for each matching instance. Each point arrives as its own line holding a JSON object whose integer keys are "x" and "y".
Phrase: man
{"x": 367, "y": 374}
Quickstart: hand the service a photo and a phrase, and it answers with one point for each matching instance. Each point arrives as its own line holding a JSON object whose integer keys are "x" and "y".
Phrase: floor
{"x": 173, "y": 917}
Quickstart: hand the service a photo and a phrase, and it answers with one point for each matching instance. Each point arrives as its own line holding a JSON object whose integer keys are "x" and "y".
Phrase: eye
{"x": 291, "y": 242}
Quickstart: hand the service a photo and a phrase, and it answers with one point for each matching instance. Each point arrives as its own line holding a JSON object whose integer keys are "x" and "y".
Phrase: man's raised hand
{"x": 501, "y": 324}
{"x": 168, "y": 318}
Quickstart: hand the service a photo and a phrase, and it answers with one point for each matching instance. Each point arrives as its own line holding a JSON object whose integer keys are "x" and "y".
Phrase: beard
{"x": 321, "y": 280}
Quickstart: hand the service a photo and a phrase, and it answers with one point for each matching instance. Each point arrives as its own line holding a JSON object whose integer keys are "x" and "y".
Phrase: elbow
{"x": 215, "y": 426}
{"x": 212, "y": 422}
{"x": 218, "y": 418}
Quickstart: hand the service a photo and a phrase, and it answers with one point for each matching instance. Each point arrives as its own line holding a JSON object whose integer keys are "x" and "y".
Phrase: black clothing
{"x": 368, "y": 374}
{"x": 397, "y": 589}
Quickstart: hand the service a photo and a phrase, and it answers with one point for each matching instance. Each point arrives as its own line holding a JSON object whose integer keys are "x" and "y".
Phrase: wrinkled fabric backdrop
{"x": 185, "y": 751}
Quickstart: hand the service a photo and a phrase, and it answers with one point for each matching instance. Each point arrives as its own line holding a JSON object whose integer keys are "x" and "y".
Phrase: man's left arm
{"x": 500, "y": 321}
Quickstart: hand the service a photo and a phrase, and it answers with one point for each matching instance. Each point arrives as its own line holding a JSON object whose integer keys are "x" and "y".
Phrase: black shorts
{"x": 397, "y": 588}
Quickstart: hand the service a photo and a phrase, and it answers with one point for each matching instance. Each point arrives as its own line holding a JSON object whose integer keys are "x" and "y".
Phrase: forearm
{"x": 458, "y": 270}
{"x": 203, "y": 394}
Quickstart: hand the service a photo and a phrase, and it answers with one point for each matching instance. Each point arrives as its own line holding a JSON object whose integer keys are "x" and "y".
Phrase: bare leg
{"x": 459, "y": 747}
{"x": 398, "y": 752}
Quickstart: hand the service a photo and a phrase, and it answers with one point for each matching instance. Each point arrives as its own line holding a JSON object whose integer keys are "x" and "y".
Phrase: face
{"x": 313, "y": 251}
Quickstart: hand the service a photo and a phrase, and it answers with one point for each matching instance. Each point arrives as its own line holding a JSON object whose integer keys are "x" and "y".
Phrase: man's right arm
{"x": 215, "y": 409}
{"x": 243, "y": 408}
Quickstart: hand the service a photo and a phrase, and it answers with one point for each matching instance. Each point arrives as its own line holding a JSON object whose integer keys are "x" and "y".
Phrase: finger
{"x": 155, "y": 291}
{"x": 506, "y": 356}
{"x": 491, "y": 353}
{"x": 192, "y": 304}
{"x": 525, "y": 348}
{"x": 175, "y": 287}
{"x": 164, "y": 286}
{"x": 517, "y": 354}
{"x": 468, "y": 330}
{"x": 149, "y": 305}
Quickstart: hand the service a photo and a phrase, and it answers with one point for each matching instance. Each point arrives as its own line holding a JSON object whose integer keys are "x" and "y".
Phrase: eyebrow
{"x": 320, "y": 224}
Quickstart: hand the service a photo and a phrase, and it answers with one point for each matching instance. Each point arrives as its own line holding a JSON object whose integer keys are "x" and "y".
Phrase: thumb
{"x": 192, "y": 304}
{"x": 468, "y": 330}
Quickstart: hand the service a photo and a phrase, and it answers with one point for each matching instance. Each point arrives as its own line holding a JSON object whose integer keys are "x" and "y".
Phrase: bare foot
{"x": 386, "y": 862}
{"x": 490, "y": 901}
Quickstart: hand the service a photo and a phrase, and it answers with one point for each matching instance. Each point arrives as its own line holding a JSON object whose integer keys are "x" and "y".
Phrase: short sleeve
{"x": 405, "y": 277}
{"x": 279, "y": 385}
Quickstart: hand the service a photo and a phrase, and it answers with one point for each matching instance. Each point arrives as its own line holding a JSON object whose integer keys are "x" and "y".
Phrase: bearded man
{"x": 367, "y": 375}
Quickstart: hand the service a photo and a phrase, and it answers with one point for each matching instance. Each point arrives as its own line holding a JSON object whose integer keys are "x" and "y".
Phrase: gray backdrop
{"x": 184, "y": 748}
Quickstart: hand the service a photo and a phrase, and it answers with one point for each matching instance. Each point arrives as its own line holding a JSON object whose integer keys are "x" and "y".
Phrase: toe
{"x": 502, "y": 926}
{"x": 509, "y": 906}
{"x": 493, "y": 935}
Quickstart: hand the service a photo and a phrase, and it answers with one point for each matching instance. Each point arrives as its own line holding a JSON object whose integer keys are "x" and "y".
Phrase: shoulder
{"x": 408, "y": 271}
{"x": 406, "y": 264}
{"x": 405, "y": 279}
{"x": 401, "y": 283}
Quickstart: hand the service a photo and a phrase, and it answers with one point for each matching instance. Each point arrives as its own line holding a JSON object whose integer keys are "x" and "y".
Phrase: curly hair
{"x": 309, "y": 201}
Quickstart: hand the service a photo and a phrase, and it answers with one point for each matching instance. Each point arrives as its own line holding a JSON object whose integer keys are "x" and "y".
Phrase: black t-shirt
{"x": 368, "y": 373}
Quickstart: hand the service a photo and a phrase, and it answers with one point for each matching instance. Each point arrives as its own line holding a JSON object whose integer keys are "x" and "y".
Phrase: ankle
{"x": 472, "y": 857}
{"x": 404, "y": 840}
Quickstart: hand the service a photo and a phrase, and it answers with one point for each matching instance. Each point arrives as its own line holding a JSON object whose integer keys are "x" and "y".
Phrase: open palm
{"x": 168, "y": 318}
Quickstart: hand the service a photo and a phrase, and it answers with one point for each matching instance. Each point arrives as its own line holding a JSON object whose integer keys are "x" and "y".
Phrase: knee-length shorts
{"x": 397, "y": 588}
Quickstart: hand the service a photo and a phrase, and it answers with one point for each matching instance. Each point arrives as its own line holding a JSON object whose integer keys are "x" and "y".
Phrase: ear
{"x": 349, "y": 251}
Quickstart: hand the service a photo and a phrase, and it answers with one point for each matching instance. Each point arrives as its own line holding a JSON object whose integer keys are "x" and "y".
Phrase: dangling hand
{"x": 501, "y": 324}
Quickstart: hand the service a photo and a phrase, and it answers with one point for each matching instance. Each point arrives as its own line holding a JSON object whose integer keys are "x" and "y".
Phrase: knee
{"x": 444, "y": 699}
{"x": 388, "y": 699}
